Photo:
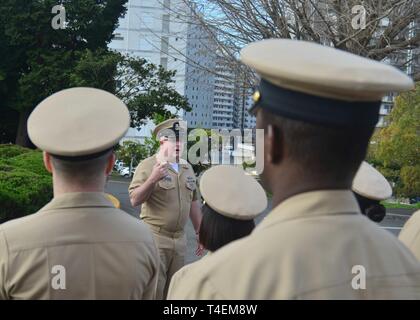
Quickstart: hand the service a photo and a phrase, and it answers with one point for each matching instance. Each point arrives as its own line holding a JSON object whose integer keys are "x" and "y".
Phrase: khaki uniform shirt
{"x": 311, "y": 246}
{"x": 184, "y": 273}
{"x": 77, "y": 247}
{"x": 410, "y": 234}
{"x": 169, "y": 205}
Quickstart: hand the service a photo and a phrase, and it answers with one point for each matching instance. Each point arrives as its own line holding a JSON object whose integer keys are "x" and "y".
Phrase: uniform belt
{"x": 172, "y": 234}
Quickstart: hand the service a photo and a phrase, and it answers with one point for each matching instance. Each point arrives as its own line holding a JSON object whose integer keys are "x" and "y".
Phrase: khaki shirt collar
{"x": 311, "y": 204}
{"x": 78, "y": 200}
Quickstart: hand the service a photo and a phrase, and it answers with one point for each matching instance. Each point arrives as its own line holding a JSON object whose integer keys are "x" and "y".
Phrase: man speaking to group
{"x": 165, "y": 185}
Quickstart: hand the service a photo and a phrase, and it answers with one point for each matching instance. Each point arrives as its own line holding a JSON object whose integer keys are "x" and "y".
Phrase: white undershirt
{"x": 175, "y": 166}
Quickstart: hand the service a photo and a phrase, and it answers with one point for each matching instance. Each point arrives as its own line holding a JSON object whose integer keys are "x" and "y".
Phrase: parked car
{"x": 119, "y": 165}
{"x": 125, "y": 172}
{"x": 414, "y": 200}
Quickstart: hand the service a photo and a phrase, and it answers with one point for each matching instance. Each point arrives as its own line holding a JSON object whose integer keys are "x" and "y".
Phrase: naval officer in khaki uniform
{"x": 79, "y": 246}
{"x": 229, "y": 211}
{"x": 165, "y": 185}
{"x": 410, "y": 234}
{"x": 370, "y": 187}
{"x": 318, "y": 107}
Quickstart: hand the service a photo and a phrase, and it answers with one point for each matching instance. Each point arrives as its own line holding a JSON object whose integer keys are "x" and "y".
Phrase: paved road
{"x": 393, "y": 222}
{"x": 120, "y": 190}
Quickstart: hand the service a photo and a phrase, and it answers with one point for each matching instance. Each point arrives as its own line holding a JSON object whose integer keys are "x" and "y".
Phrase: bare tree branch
{"x": 234, "y": 23}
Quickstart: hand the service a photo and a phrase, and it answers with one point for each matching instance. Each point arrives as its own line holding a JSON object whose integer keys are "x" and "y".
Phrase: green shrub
{"x": 25, "y": 185}
{"x": 22, "y": 193}
{"x": 8, "y": 151}
{"x": 30, "y": 161}
{"x": 4, "y": 167}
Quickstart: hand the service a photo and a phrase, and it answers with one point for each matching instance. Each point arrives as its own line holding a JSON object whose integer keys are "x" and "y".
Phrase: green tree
{"x": 152, "y": 146}
{"x": 146, "y": 89}
{"x": 38, "y": 60}
{"x": 25, "y": 184}
{"x": 395, "y": 149}
{"x": 131, "y": 153}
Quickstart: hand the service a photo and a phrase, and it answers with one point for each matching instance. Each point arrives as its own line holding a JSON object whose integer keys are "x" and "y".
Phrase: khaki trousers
{"x": 172, "y": 250}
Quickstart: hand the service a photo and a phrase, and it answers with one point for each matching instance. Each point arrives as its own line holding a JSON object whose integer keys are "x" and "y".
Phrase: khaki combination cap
{"x": 170, "y": 126}
{"x": 232, "y": 193}
{"x": 371, "y": 184}
{"x": 319, "y": 84}
{"x": 78, "y": 122}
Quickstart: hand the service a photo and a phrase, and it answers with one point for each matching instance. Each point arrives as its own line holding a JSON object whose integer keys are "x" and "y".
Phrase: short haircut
{"x": 332, "y": 152}
{"x": 217, "y": 230}
{"x": 82, "y": 171}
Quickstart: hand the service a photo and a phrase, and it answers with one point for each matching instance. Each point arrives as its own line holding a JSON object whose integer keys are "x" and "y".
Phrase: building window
{"x": 118, "y": 36}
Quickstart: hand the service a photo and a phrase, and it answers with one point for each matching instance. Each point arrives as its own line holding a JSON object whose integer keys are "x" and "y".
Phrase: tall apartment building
{"x": 200, "y": 77}
{"x": 231, "y": 101}
{"x": 407, "y": 60}
{"x": 156, "y": 30}
{"x": 163, "y": 32}
{"x": 224, "y": 96}
{"x": 243, "y": 102}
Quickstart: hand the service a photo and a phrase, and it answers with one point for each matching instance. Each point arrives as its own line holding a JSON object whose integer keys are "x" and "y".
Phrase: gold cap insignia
{"x": 256, "y": 96}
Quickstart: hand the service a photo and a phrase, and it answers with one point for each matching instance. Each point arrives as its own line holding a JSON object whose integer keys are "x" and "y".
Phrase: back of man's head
{"x": 82, "y": 172}
{"x": 320, "y": 152}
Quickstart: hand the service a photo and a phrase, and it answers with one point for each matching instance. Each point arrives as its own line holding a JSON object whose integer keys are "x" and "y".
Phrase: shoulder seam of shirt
{"x": 145, "y": 161}
{"x": 147, "y": 242}
{"x": 302, "y": 218}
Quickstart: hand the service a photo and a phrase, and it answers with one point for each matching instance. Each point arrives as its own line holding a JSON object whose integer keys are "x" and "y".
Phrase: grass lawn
{"x": 391, "y": 205}
{"x": 388, "y": 205}
{"x": 115, "y": 176}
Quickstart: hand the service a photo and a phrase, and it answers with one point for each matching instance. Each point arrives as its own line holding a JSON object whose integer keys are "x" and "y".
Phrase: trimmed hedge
{"x": 8, "y": 151}
{"x": 25, "y": 185}
{"x": 30, "y": 161}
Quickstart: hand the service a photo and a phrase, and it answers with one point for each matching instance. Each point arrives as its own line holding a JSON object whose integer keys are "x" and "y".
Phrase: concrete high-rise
{"x": 157, "y": 30}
